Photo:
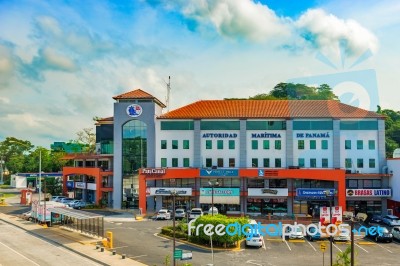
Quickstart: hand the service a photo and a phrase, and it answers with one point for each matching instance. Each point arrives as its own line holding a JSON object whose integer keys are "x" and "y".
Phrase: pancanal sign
{"x": 153, "y": 171}
{"x": 383, "y": 192}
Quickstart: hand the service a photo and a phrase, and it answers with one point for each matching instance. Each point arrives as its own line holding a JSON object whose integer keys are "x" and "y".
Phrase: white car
{"x": 295, "y": 233}
{"x": 213, "y": 210}
{"x": 163, "y": 214}
{"x": 343, "y": 234}
{"x": 391, "y": 220}
{"x": 195, "y": 213}
{"x": 256, "y": 240}
{"x": 396, "y": 232}
{"x": 180, "y": 214}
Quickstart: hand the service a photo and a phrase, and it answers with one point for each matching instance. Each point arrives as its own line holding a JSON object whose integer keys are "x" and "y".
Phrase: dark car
{"x": 313, "y": 234}
{"x": 375, "y": 219}
{"x": 384, "y": 236}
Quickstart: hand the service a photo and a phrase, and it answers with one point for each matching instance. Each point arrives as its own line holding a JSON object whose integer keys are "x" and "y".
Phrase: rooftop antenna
{"x": 168, "y": 92}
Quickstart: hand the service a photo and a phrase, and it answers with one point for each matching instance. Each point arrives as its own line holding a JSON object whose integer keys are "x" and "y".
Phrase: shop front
{"x": 163, "y": 198}
{"x": 370, "y": 201}
{"x": 308, "y": 201}
{"x": 227, "y": 200}
{"x": 264, "y": 201}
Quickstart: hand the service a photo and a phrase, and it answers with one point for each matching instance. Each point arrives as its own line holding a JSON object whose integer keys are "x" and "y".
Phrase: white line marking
{"x": 19, "y": 254}
{"x": 120, "y": 247}
{"x": 312, "y": 246}
{"x": 156, "y": 235}
{"x": 288, "y": 245}
{"x": 384, "y": 248}
{"x": 134, "y": 257}
{"x": 263, "y": 245}
{"x": 251, "y": 262}
{"x": 361, "y": 248}
{"x": 337, "y": 247}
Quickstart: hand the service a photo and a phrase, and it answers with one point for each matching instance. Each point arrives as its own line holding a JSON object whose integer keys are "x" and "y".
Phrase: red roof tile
{"x": 138, "y": 94}
{"x": 218, "y": 109}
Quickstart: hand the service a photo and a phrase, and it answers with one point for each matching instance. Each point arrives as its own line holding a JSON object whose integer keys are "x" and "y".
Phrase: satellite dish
{"x": 396, "y": 153}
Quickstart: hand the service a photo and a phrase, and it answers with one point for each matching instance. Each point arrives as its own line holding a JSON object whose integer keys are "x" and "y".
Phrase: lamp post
{"x": 212, "y": 184}
{"x": 1, "y": 170}
{"x": 173, "y": 194}
{"x": 330, "y": 195}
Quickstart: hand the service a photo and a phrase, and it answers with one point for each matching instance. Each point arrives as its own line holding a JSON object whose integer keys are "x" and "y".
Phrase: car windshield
{"x": 162, "y": 211}
{"x": 196, "y": 211}
{"x": 179, "y": 211}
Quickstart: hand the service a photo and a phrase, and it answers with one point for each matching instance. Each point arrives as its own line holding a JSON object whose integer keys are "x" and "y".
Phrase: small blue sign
{"x": 70, "y": 184}
{"x": 315, "y": 192}
{"x": 219, "y": 172}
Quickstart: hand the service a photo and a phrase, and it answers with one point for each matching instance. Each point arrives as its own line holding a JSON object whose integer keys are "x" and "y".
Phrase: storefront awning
{"x": 80, "y": 215}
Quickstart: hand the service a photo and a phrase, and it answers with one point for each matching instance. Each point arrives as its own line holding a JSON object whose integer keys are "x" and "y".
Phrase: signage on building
{"x": 312, "y": 135}
{"x": 80, "y": 185}
{"x": 166, "y": 191}
{"x": 219, "y": 172}
{"x": 153, "y": 171}
{"x": 335, "y": 213}
{"x": 219, "y": 135}
{"x": 134, "y": 110}
{"x": 267, "y": 192}
{"x": 315, "y": 192}
{"x": 265, "y": 135}
{"x": 70, "y": 184}
{"x": 220, "y": 195}
{"x": 382, "y": 192}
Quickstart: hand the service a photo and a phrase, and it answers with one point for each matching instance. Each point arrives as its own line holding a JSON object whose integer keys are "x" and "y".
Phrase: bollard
{"x": 114, "y": 252}
{"x": 102, "y": 249}
{"x": 123, "y": 256}
{"x": 97, "y": 246}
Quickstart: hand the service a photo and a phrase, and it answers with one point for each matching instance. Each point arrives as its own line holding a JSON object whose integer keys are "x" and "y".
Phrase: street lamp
{"x": 330, "y": 195}
{"x": 1, "y": 170}
{"x": 212, "y": 184}
{"x": 173, "y": 194}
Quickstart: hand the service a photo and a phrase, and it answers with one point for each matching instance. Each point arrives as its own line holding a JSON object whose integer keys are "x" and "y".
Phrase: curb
{"x": 366, "y": 243}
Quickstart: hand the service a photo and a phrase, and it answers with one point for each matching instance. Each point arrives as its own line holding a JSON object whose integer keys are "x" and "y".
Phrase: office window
{"x": 232, "y": 162}
{"x": 231, "y": 144}
{"x": 220, "y": 162}
{"x": 360, "y": 163}
{"x": 185, "y": 144}
{"x": 324, "y": 163}
{"x": 301, "y": 162}
{"x": 371, "y": 163}
{"x": 300, "y": 144}
{"x": 220, "y": 144}
{"x": 278, "y": 144}
{"x": 174, "y": 162}
{"x": 347, "y": 163}
{"x": 163, "y": 162}
{"x": 163, "y": 144}
{"x": 324, "y": 144}
{"x": 186, "y": 162}
{"x": 208, "y": 144}
{"x": 360, "y": 144}
{"x": 254, "y": 144}
{"x": 347, "y": 144}
{"x": 254, "y": 162}
{"x": 266, "y": 144}
{"x": 313, "y": 163}
{"x": 208, "y": 162}
{"x": 174, "y": 144}
{"x": 371, "y": 144}
{"x": 313, "y": 144}
{"x": 278, "y": 162}
{"x": 266, "y": 162}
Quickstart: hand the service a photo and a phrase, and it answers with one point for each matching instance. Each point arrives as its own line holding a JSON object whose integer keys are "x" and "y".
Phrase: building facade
{"x": 247, "y": 156}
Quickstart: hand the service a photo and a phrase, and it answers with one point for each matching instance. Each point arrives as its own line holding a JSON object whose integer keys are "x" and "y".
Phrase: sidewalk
{"x": 73, "y": 241}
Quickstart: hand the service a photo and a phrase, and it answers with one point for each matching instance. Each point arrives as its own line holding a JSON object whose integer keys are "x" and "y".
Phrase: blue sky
{"x": 62, "y": 61}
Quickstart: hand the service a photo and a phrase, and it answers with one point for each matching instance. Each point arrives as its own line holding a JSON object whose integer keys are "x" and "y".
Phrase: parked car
{"x": 163, "y": 214}
{"x": 256, "y": 240}
{"x": 314, "y": 234}
{"x": 195, "y": 213}
{"x": 66, "y": 200}
{"x": 295, "y": 233}
{"x": 180, "y": 214}
{"x": 27, "y": 216}
{"x": 391, "y": 220}
{"x": 213, "y": 210}
{"x": 77, "y": 204}
{"x": 385, "y": 236}
{"x": 343, "y": 233}
{"x": 396, "y": 232}
{"x": 57, "y": 198}
{"x": 375, "y": 219}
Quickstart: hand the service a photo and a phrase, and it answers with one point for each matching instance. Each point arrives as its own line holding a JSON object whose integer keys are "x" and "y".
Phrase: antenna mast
{"x": 168, "y": 92}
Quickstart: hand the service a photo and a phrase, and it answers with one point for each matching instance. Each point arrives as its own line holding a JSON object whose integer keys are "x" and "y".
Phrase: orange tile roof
{"x": 138, "y": 94}
{"x": 217, "y": 109}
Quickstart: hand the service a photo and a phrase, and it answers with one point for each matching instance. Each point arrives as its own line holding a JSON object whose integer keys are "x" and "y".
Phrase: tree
{"x": 88, "y": 139}
{"x": 343, "y": 258}
{"x": 392, "y": 128}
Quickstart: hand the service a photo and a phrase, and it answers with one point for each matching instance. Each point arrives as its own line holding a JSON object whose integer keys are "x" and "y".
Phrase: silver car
{"x": 180, "y": 214}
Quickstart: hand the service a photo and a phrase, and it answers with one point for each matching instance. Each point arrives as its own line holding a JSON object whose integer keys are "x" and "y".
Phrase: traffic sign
{"x": 178, "y": 254}
{"x": 322, "y": 247}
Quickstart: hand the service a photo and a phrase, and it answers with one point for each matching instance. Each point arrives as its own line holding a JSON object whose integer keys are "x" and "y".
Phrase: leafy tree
{"x": 52, "y": 186}
{"x": 392, "y": 128}
{"x": 88, "y": 138}
{"x": 343, "y": 258}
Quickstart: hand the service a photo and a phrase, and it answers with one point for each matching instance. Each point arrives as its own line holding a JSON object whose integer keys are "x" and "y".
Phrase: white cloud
{"x": 56, "y": 60}
{"x": 326, "y": 31}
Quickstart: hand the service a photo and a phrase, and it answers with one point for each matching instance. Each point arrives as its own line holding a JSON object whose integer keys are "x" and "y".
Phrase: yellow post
{"x": 110, "y": 239}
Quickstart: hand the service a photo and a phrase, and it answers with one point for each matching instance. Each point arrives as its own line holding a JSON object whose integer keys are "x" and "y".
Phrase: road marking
{"x": 337, "y": 247}
{"x": 19, "y": 254}
{"x": 156, "y": 235}
{"x": 252, "y": 262}
{"x": 135, "y": 257}
{"x": 120, "y": 247}
{"x": 159, "y": 228}
{"x": 385, "y": 248}
{"x": 361, "y": 248}
{"x": 263, "y": 245}
{"x": 287, "y": 244}
{"x": 312, "y": 246}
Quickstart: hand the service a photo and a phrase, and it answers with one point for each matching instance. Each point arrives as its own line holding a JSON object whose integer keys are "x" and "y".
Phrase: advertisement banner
{"x": 337, "y": 214}
{"x": 166, "y": 191}
{"x": 383, "y": 192}
{"x": 324, "y": 216}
